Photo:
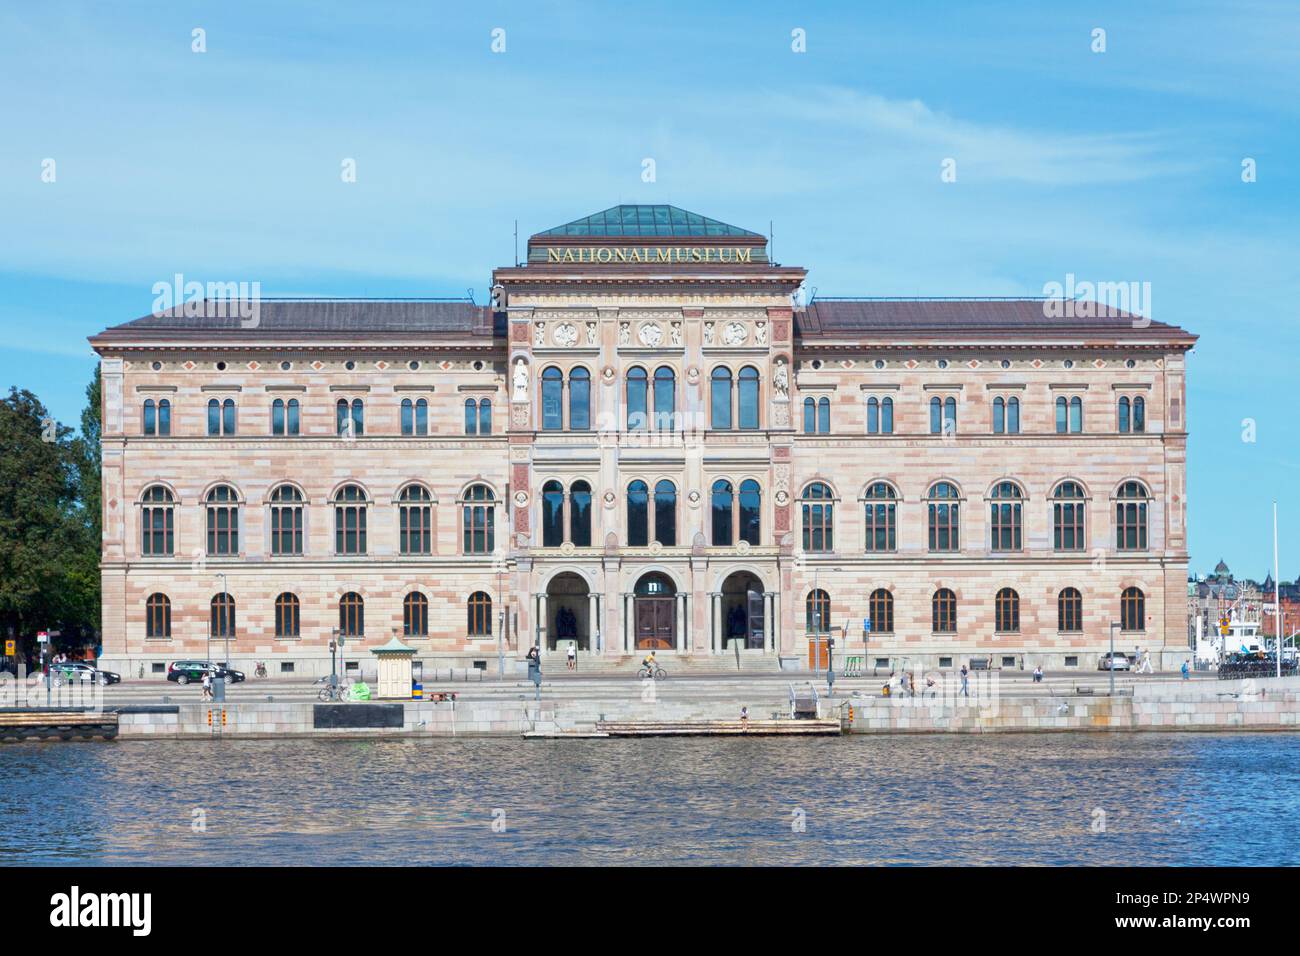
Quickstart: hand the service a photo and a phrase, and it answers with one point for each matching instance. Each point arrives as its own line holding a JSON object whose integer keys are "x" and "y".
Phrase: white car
{"x": 1118, "y": 662}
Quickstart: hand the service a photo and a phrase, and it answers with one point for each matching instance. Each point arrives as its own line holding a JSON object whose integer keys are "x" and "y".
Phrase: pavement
{"x": 565, "y": 685}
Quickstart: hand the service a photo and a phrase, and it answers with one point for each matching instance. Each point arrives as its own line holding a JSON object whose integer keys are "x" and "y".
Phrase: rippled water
{"x": 1168, "y": 799}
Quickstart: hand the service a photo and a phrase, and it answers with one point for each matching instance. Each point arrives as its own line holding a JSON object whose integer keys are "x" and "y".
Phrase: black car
{"x": 80, "y": 672}
{"x": 182, "y": 672}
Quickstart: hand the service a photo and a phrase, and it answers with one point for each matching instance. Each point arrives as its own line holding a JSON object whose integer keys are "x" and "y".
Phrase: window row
{"x": 288, "y": 617}
{"x": 1131, "y": 415}
{"x": 1006, "y": 611}
{"x": 943, "y": 503}
{"x": 651, "y": 399}
{"x": 350, "y": 506}
{"x": 286, "y": 417}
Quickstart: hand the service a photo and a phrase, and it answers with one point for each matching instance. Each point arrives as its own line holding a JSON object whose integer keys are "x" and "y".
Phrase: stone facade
{"x": 559, "y": 330}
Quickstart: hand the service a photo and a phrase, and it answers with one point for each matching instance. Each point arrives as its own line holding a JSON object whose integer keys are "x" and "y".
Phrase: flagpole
{"x": 1277, "y": 587}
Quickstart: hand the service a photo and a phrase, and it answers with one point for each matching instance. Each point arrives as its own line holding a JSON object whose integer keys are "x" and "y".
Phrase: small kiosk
{"x": 394, "y": 661}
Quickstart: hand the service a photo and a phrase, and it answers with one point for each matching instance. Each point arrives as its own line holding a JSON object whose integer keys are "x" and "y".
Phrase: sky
{"x": 1123, "y": 164}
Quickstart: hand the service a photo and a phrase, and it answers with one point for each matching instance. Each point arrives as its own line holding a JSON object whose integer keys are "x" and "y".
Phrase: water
{"x": 995, "y": 799}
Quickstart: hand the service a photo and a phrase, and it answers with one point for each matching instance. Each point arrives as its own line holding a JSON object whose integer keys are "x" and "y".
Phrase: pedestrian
{"x": 1145, "y": 666}
{"x": 207, "y": 685}
{"x": 965, "y": 690}
{"x": 911, "y": 683}
{"x": 573, "y": 655}
{"x": 1185, "y": 670}
{"x": 929, "y": 686}
{"x": 1038, "y": 674}
{"x": 744, "y": 718}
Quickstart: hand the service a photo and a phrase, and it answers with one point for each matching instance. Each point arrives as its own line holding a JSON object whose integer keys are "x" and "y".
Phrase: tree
{"x": 38, "y": 524}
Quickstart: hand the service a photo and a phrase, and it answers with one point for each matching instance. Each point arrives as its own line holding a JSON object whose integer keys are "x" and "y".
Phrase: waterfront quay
{"x": 574, "y": 705}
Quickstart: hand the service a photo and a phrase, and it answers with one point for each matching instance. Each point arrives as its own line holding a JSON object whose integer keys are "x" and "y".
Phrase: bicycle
{"x": 260, "y": 670}
{"x": 657, "y": 674}
{"x": 338, "y": 693}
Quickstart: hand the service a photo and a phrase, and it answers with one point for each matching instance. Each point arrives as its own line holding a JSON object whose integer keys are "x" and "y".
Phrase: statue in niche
{"x": 521, "y": 381}
{"x": 675, "y": 336}
{"x": 781, "y": 381}
{"x": 539, "y": 335}
{"x": 591, "y": 333}
{"x": 708, "y": 333}
{"x": 760, "y": 333}
{"x": 624, "y": 333}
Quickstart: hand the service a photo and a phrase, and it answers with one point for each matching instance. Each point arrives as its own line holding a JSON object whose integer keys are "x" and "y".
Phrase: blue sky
{"x": 1116, "y": 166}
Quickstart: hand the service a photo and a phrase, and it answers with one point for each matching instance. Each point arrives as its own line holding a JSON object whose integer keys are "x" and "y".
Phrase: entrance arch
{"x": 654, "y": 613}
{"x": 568, "y": 614}
{"x": 743, "y": 610}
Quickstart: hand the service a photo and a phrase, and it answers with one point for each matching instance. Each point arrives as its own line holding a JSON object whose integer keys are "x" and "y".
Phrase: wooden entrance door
{"x": 656, "y": 623}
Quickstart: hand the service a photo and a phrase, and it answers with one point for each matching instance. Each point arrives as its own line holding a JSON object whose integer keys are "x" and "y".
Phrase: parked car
{"x": 182, "y": 672}
{"x": 73, "y": 672}
{"x": 1119, "y": 662}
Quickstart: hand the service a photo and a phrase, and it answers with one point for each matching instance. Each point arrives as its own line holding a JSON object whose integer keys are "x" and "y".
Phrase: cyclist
{"x": 648, "y": 662}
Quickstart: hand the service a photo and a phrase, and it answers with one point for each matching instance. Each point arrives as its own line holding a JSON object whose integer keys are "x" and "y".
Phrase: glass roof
{"x": 647, "y": 221}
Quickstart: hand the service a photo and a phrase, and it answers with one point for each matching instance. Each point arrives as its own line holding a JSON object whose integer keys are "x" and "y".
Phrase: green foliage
{"x": 50, "y": 521}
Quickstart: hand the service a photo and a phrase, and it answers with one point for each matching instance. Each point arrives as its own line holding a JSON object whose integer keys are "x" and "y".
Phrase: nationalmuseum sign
{"x": 654, "y": 255}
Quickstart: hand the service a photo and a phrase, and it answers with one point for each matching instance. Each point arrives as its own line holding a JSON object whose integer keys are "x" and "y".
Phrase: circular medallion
{"x": 742, "y": 547}
{"x": 521, "y": 498}
{"x": 608, "y": 373}
{"x": 567, "y": 548}
{"x": 566, "y": 335}
{"x": 650, "y": 335}
{"x": 694, "y": 499}
{"x": 734, "y": 334}
{"x": 782, "y": 497}
{"x": 610, "y": 499}
{"x": 692, "y": 375}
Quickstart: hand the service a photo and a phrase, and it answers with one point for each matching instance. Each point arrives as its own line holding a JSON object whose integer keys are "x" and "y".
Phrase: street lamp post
{"x": 1110, "y": 664}
{"x": 225, "y": 621}
{"x": 334, "y": 673}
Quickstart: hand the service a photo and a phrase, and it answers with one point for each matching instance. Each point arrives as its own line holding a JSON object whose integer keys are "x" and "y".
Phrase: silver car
{"x": 1116, "y": 662}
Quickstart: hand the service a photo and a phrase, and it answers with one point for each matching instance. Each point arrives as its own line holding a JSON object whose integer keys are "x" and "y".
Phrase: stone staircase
{"x": 554, "y": 665}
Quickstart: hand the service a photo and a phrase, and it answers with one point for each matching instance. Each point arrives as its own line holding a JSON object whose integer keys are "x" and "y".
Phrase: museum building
{"x": 648, "y": 438}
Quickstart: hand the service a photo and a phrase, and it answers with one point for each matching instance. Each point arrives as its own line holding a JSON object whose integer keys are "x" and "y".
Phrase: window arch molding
{"x": 221, "y": 483}
{"x": 413, "y": 483}
{"x": 174, "y": 497}
{"x": 268, "y": 496}
{"x": 360, "y": 486}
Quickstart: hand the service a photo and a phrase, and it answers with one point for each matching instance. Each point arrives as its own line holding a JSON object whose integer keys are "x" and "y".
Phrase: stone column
{"x": 715, "y": 639}
{"x": 769, "y": 624}
{"x": 679, "y": 629}
{"x": 593, "y": 621}
{"x": 541, "y": 623}
{"x": 626, "y": 636}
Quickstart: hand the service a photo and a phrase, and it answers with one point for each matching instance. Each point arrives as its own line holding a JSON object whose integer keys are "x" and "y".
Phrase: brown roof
{"x": 346, "y": 316}
{"x": 846, "y": 318}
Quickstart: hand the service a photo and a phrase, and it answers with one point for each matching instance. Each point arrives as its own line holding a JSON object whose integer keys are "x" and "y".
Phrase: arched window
{"x": 471, "y": 417}
{"x": 415, "y": 417}
{"x": 552, "y": 399}
{"x": 415, "y": 520}
{"x": 720, "y": 398}
{"x": 579, "y": 399}
{"x": 1067, "y": 517}
{"x": 1007, "y": 611}
{"x": 350, "y": 520}
{"x": 751, "y": 512}
{"x": 286, "y": 521}
{"x": 1132, "y": 610}
{"x": 881, "y": 506}
{"x": 1139, "y": 414}
{"x": 817, "y": 611}
{"x": 943, "y": 506}
{"x": 881, "y": 608}
{"x": 552, "y": 514}
{"x": 157, "y": 521}
{"x": 666, "y": 513}
{"x": 873, "y": 416}
{"x": 223, "y": 521}
{"x": 665, "y": 398}
{"x": 817, "y": 415}
{"x": 943, "y": 612}
{"x": 350, "y": 420}
{"x": 824, "y": 415}
{"x": 747, "y": 397}
{"x": 352, "y": 615}
{"x": 580, "y": 514}
{"x": 286, "y": 615}
{"x": 1005, "y": 518}
{"x": 720, "y": 506}
{"x": 158, "y": 616}
{"x": 818, "y": 517}
{"x": 415, "y": 615}
{"x": 1125, "y": 416}
{"x": 637, "y": 397}
{"x": 284, "y": 417}
{"x": 809, "y": 416}
{"x": 936, "y": 416}
{"x": 1006, "y": 416}
{"x": 1131, "y": 517}
{"x": 478, "y": 520}
{"x": 485, "y": 416}
{"x": 480, "y": 615}
{"x": 157, "y": 416}
{"x": 1069, "y": 414}
{"x": 221, "y": 417}
{"x": 1069, "y": 610}
{"x": 638, "y": 514}
{"x": 221, "y": 620}
{"x": 1062, "y": 415}
{"x": 950, "y": 416}
{"x": 1076, "y": 414}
